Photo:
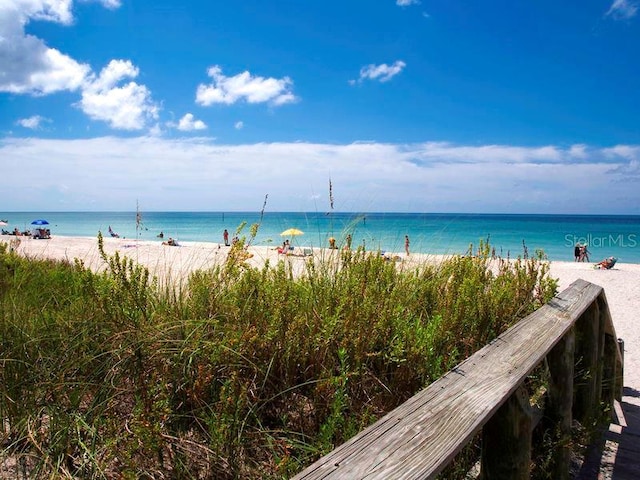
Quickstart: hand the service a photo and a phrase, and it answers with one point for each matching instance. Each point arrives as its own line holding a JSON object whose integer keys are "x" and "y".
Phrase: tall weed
{"x": 246, "y": 372}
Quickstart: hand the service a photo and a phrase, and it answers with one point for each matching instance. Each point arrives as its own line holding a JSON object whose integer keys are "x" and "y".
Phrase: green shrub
{"x": 245, "y": 373}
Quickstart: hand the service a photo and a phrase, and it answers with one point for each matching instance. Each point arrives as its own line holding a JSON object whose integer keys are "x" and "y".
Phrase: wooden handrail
{"x": 485, "y": 392}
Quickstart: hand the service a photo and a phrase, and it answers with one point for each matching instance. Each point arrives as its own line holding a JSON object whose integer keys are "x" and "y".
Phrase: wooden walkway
{"x": 486, "y": 393}
{"x": 617, "y": 456}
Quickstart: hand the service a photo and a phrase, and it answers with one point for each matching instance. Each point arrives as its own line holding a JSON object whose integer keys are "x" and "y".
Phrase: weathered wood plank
{"x": 419, "y": 438}
{"x": 507, "y": 437}
{"x": 587, "y": 388}
{"x": 560, "y": 401}
{"x": 614, "y": 365}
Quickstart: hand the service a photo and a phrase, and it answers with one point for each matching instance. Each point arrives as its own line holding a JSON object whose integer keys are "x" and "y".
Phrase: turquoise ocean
{"x": 437, "y": 233}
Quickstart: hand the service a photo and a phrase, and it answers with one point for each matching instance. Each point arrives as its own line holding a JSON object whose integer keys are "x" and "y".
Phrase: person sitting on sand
{"x": 607, "y": 263}
{"x": 171, "y": 242}
{"x": 112, "y": 233}
{"x": 17, "y": 232}
{"x": 285, "y": 249}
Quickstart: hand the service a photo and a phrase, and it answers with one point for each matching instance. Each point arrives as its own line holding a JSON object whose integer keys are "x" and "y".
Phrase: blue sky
{"x": 405, "y": 105}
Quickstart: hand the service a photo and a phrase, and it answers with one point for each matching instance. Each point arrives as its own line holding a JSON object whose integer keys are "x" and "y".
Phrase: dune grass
{"x": 243, "y": 372}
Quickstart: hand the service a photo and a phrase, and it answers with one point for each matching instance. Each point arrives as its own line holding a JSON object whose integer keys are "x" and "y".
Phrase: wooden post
{"x": 602, "y": 313}
{"x": 558, "y": 410}
{"x": 620, "y": 372}
{"x": 506, "y": 440}
{"x": 613, "y": 361}
{"x": 586, "y": 395}
{"x": 610, "y": 375}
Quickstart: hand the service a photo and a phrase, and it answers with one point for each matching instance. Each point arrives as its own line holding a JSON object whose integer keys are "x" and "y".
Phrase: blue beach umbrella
{"x": 40, "y": 222}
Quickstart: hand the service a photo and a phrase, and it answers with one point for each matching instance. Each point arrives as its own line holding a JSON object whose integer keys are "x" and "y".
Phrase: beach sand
{"x": 173, "y": 265}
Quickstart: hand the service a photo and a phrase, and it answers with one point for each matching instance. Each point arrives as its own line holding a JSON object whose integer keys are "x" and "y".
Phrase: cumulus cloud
{"x": 127, "y": 107}
{"x": 189, "y": 123}
{"x": 48, "y": 10}
{"x": 578, "y": 151}
{"x": 622, "y": 9}
{"x": 244, "y": 86}
{"x": 382, "y": 72}
{"x": 27, "y": 64}
{"x": 629, "y": 152}
{"x": 33, "y": 122}
{"x": 239, "y": 125}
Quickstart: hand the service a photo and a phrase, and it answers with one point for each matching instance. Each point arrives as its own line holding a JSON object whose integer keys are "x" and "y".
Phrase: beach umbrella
{"x": 3, "y": 223}
{"x": 291, "y": 232}
{"x": 39, "y": 222}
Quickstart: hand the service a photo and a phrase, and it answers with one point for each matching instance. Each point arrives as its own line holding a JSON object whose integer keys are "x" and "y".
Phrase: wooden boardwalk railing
{"x": 573, "y": 334}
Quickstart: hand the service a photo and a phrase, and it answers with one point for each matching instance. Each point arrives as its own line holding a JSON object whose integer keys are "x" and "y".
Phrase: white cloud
{"x": 244, "y": 86}
{"x": 33, "y": 122}
{"x": 113, "y": 73}
{"x": 27, "y": 65}
{"x": 631, "y": 170}
{"x": 578, "y": 151}
{"x": 622, "y": 9}
{"x": 110, "y": 4}
{"x": 382, "y": 72}
{"x": 126, "y": 107}
{"x": 189, "y": 123}
{"x": 629, "y": 152}
{"x": 239, "y": 125}
{"x": 406, "y": 3}
{"x": 155, "y": 130}
{"x": 506, "y": 154}
{"x": 189, "y": 174}
{"x": 58, "y": 11}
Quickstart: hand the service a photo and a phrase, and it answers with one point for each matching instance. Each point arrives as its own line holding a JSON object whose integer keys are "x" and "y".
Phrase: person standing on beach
{"x": 348, "y": 242}
{"x": 584, "y": 253}
{"x": 225, "y": 236}
{"x": 406, "y": 244}
{"x": 576, "y": 252}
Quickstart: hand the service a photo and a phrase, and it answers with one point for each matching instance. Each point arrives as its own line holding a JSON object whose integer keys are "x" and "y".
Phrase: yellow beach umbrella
{"x": 291, "y": 232}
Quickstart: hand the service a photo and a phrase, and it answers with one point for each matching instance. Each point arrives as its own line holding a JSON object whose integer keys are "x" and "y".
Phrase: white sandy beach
{"x": 621, "y": 284}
